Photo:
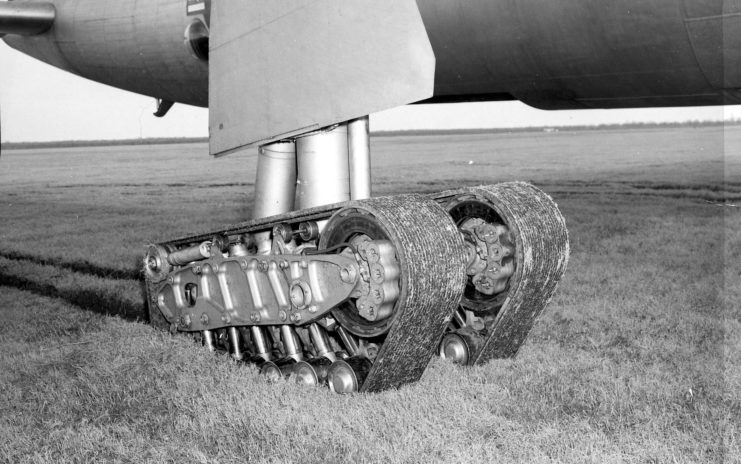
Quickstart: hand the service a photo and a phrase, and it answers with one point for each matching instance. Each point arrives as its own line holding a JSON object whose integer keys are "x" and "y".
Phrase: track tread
{"x": 542, "y": 254}
{"x": 432, "y": 256}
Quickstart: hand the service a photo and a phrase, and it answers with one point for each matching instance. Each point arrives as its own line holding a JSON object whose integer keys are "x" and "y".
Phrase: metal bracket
{"x": 256, "y": 290}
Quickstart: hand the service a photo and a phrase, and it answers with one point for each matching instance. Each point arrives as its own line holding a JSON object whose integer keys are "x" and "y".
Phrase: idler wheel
{"x": 347, "y": 376}
{"x": 281, "y": 369}
{"x": 454, "y": 348}
{"x": 271, "y": 371}
{"x": 460, "y": 346}
{"x": 312, "y": 372}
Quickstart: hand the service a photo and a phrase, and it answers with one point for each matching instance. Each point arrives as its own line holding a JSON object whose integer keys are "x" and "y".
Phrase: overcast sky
{"x": 41, "y": 103}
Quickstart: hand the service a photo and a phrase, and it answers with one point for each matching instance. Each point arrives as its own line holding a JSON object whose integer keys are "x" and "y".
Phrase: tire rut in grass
{"x": 83, "y": 267}
{"x": 104, "y": 296}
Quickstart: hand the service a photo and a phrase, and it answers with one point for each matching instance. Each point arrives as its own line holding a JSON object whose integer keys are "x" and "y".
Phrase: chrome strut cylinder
{"x": 258, "y": 340}
{"x": 323, "y": 171}
{"x": 358, "y": 142}
{"x": 351, "y": 345}
{"x": 275, "y": 185}
{"x": 291, "y": 343}
{"x": 321, "y": 342}
{"x": 190, "y": 254}
{"x": 208, "y": 340}
{"x": 234, "y": 346}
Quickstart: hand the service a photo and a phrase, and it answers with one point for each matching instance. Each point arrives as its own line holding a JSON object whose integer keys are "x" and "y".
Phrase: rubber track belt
{"x": 541, "y": 256}
{"x": 432, "y": 257}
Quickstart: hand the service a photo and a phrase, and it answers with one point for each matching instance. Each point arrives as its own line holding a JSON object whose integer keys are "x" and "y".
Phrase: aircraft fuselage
{"x": 549, "y": 54}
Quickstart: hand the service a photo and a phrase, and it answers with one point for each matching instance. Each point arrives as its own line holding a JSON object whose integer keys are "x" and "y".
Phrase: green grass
{"x": 637, "y": 359}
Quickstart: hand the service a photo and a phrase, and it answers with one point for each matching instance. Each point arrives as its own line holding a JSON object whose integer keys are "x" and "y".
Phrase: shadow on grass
{"x": 89, "y": 300}
{"x": 83, "y": 267}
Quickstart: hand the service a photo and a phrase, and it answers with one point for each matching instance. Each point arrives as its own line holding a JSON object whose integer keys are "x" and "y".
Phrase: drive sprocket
{"x": 533, "y": 233}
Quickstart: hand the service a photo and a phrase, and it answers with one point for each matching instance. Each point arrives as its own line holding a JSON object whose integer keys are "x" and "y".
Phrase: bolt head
{"x": 296, "y": 317}
{"x": 348, "y": 275}
{"x": 282, "y": 315}
{"x": 152, "y": 264}
{"x": 204, "y": 319}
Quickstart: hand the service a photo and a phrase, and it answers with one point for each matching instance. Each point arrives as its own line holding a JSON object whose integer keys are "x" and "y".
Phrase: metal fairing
{"x": 300, "y": 65}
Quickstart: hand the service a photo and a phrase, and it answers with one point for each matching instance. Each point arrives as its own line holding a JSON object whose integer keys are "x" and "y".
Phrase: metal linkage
{"x": 262, "y": 350}
{"x": 208, "y": 340}
{"x": 291, "y": 299}
{"x": 235, "y": 347}
{"x": 321, "y": 343}
{"x": 256, "y": 290}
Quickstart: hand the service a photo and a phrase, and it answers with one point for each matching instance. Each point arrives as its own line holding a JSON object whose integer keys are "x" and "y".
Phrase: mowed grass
{"x": 637, "y": 358}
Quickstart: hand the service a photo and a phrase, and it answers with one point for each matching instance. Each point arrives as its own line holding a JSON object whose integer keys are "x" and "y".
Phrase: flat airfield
{"x": 637, "y": 358}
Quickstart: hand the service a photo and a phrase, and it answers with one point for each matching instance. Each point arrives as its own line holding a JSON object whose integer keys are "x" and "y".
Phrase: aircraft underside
{"x": 326, "y": 284}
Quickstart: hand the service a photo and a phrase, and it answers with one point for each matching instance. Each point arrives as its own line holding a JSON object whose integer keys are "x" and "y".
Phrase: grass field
{"x": 637, "y": 358}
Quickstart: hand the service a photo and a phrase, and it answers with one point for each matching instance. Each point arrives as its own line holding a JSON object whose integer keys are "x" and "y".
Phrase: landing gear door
{"x": 278, "y": 69}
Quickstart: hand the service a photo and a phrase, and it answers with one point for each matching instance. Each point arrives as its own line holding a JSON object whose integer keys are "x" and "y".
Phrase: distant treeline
{"x": 510, "y": 130}
{"x": 415, "y": 132}
{"x": 103, "y": 143}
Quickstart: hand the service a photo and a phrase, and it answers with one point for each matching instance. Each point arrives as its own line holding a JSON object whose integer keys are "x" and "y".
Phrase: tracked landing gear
{"x": 357, "y": 295}
{"x": 375, "y": 291}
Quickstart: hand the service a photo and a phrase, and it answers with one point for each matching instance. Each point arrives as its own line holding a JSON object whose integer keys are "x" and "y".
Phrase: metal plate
{"x": 282, "y": 68}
